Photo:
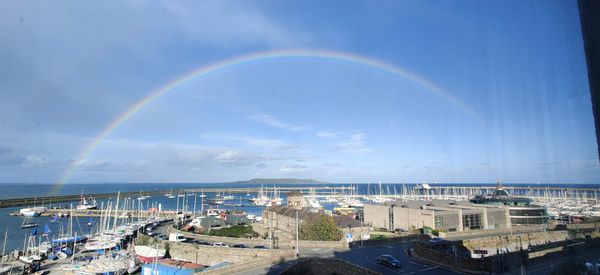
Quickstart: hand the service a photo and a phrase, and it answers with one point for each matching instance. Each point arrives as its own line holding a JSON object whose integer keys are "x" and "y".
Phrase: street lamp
{"x": 297, "y": 235}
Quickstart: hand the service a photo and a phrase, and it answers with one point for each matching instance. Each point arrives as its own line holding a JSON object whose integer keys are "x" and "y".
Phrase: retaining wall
{"x": 209, "y": 255}
{"x": 227, "y": 240}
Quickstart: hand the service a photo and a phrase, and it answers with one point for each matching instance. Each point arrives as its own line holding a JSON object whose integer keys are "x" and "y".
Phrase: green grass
{"x": 379, "y": 236}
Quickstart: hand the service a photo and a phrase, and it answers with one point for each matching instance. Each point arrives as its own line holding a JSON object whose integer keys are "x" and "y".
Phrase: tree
{"x": 321, "y": 229}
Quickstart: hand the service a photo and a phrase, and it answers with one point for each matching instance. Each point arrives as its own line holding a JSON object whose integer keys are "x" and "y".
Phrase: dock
{"x": 97, "y": 213}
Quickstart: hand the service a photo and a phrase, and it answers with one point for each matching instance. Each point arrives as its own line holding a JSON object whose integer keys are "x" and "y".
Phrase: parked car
{"x": 592, "y": 267}
{"x": 161, "y": 237}
{"x": 220, "y": 245}
{"x": 201, "y": 242}
{"x": 388, "y": 260}
{"x": 260, "y": 247}
{"x": 240, "y": 246}
{"x": 436, "y": 240}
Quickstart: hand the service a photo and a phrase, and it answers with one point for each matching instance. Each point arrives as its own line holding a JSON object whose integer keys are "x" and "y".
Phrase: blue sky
{"x": 69, "y": 68}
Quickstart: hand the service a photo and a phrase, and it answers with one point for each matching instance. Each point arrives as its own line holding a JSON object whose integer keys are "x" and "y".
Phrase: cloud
{"x": 295, "y": 168}
{"x": 231, "y": 157}
{"x": 271, "y": 121}
{"x": 269, "y": 143}
{"x": 94, "y": 164}
{"x": 355, "y": 144}
{"x": 34, "y": 160}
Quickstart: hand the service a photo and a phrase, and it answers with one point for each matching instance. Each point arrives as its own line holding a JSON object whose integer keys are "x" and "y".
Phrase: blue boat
{"x": 77, "y": 239}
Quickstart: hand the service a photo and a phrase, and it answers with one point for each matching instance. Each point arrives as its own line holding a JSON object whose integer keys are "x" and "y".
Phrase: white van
{"x": 176, "y": 237}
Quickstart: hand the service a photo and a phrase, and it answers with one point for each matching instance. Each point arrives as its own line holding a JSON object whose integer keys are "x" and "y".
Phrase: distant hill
{"x": 279, "y": 181}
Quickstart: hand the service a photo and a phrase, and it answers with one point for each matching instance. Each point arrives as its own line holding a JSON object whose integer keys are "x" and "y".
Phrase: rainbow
{"x": 245, "y": 60}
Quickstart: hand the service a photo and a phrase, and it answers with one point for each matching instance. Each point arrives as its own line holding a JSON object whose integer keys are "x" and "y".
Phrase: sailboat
{"x": 69, "y": 237}
{"x": 55, "y": 218}
{"x": 5, "y": 268}
{"x": 170, "y": 194}
{"x": 230, "y": 196}
{"x": 27, "y": 224}
{"x": 47, "y": 231}
{"x": 30, "y": 256}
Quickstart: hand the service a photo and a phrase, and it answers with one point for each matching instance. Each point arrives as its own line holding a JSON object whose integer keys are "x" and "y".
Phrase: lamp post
{"x": 297, "y": 235}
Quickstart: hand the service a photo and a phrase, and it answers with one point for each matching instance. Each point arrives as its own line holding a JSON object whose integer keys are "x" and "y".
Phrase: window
{"x": 472, "y": 221}
{"x": 439, "y": 222}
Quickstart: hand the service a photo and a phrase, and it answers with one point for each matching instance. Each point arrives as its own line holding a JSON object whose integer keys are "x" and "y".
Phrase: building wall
{"x": 496, "y": 218}
{"x": 297, "y": 202}
{"x": 405, "y": 218}
{"x": 449, "y": 221}
{"x": 376, "y": 215}
{"x": 450, "y": 218}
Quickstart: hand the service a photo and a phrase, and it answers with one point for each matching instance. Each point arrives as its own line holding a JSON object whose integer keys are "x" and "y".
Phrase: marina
{"x": 86, "y": 224}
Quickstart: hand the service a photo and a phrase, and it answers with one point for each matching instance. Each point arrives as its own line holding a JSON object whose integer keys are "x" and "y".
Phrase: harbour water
{"x": 16, "y": 235}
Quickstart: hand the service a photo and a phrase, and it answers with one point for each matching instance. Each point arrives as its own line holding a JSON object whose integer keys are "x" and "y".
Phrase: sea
{"x": 17, "y": 236}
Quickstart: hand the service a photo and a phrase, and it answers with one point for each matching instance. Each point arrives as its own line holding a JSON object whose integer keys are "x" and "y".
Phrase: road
{"x": 551, "y": 263}
{"x": 362, "y": 256}
{"x": 365, "y": 256}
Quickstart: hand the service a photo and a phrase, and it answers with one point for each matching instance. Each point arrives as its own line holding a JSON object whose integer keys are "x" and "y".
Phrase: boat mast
{"x": 4, "y": 245}
{"x": 116, "y": 210}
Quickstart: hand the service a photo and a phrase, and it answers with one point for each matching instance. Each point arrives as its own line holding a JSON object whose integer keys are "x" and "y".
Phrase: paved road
{"x": 550, "y": 263}
{"x": 367, "y": 257}
{"x": 363, "y": 256}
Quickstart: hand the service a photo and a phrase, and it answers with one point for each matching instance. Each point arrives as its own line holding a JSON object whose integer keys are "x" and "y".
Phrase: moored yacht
{"x": 87, "y": 204}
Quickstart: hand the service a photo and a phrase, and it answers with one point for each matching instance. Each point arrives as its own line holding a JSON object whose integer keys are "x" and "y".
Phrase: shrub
{"x": 321, "y": 229}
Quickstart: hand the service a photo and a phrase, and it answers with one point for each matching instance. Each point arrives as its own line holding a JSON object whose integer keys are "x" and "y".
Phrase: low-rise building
{"x": 437, "y": 214}
{"x": 284, "y": 218}
{"x": 521, "y": 210}
{"x": 296, "y": 200}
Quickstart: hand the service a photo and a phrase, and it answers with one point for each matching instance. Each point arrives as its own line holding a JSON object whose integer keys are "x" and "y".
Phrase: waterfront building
{"x": 445, "y": 215}
{"x": 521, "y": 210}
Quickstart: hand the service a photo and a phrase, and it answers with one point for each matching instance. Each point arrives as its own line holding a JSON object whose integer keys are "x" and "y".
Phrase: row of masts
{"x": 412, "y": 191}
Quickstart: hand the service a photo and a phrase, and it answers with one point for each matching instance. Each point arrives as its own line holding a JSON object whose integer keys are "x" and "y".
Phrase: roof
{"x": 500, "y": 196}
{"x": 295, "y": 194}
{"x": 507, "y": 200}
